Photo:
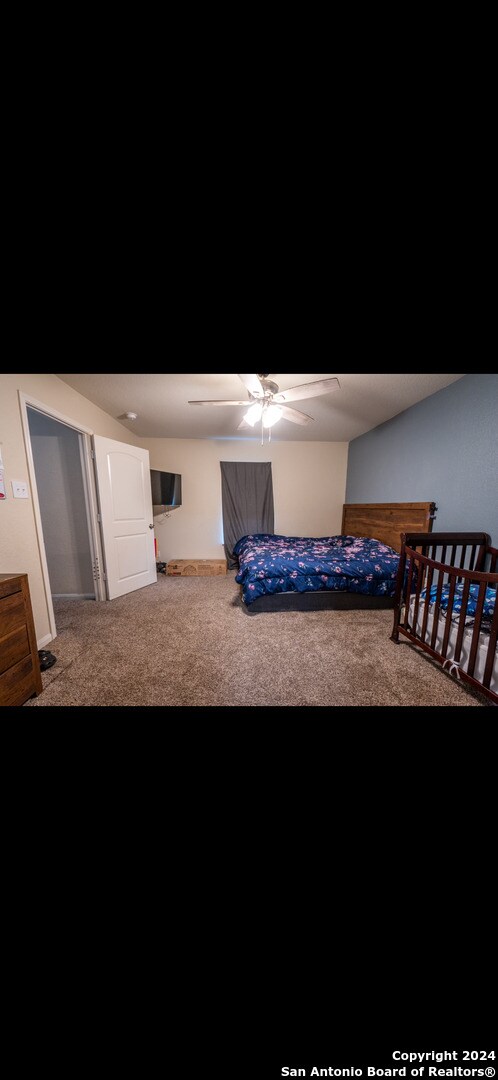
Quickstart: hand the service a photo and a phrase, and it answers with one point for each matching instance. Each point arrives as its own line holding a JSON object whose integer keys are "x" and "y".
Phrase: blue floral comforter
{"x": 272, "y": 564}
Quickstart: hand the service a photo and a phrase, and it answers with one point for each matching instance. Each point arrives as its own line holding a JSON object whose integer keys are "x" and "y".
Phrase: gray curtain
{"x": 247, "y": 501}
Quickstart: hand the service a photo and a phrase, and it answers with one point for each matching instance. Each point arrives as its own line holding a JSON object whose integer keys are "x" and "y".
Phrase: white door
{"x": 125, "y": 497}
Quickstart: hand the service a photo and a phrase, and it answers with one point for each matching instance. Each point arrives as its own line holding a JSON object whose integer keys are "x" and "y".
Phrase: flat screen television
{"x": 166, "y": 490}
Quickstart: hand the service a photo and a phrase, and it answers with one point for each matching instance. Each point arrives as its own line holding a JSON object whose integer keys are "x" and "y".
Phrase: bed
{"x": 356, "y": 569}
{"x": 445, "y": 604}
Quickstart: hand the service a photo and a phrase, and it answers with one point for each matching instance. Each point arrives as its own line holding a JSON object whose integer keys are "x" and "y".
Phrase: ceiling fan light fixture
{"x": 271, "y": 415}
{"x": 254, "y": 414}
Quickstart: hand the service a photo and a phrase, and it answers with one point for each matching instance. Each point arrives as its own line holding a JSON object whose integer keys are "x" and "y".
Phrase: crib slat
{"x": 408, "y": 591}
{"x": 449, "y": 613}
{"x": 437, "y": 609}
{"x": 461, "y": 620}
{"x": 476, "y": 628}
{"x": 428, "y": 586}
{"x": 493, "y": 636}
{"x": 418, "y": 590}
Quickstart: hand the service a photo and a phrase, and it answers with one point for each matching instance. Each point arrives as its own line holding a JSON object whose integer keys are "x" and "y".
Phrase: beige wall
{"x": 309, "y": 484}
{"x": 18, "y": 540}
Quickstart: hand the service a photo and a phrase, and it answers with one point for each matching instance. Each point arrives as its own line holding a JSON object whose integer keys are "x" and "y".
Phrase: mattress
{"x": 449, "y": 664}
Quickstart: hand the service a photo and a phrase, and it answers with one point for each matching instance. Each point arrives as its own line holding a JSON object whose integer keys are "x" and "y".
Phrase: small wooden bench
{"x": 196, "y": 567}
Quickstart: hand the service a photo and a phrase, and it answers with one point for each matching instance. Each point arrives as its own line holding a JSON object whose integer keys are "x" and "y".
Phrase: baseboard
{"x": 44, "y": 641}
{"x": 73, "y": 596}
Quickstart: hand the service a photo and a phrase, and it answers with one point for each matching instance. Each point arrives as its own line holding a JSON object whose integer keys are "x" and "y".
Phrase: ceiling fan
{"x": 268, "y": 404}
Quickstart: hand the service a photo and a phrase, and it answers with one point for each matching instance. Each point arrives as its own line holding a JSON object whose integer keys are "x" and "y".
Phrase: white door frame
{"x": 89, "y": 485}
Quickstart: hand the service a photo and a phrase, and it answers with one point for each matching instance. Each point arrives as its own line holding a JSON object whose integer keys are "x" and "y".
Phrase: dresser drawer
{"x": 12, "y": 614}
{"x": 18, "y": 683}
{"x": 14, "y": 648}
{"x": 20, "y": 675}
{"x": 9, "y": 584}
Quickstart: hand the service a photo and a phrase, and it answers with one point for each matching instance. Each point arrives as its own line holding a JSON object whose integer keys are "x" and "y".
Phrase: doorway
{"x": 57, "y": 458}
{"x": 94, "y": 495}
{"x": 59, "y": 455}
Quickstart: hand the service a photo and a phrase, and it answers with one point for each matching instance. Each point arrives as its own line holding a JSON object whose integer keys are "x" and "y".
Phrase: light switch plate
{"x": 20, "y": 489}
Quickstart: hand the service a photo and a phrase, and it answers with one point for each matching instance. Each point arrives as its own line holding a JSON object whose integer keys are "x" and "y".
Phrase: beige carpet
{"x": 189, "y": 641}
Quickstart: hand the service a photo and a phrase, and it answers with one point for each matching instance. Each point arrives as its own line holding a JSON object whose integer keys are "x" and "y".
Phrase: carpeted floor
{"x": 189, "y": 641}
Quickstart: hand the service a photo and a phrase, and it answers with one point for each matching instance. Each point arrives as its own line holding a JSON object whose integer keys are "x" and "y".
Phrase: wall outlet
{"x": 20, "y": 489}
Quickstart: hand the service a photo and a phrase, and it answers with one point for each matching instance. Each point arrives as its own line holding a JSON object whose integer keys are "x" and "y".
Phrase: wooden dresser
{"x": 20, "y": 676}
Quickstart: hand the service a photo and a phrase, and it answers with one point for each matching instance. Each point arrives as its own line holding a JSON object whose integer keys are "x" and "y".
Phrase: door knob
{"x": 151, "y": 526}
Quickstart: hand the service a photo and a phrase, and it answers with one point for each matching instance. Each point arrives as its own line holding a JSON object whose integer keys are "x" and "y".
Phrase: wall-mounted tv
{"x": 166, "y": 490}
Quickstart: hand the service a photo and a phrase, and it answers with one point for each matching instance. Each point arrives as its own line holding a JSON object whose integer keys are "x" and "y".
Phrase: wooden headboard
{"x": 386, "y": 521}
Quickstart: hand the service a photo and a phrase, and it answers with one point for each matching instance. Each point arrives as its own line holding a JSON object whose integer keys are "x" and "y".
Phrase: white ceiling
{"x": 161, "y": 401}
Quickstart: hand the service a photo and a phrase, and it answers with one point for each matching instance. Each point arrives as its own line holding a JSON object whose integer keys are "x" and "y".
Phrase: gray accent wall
{"x": 445, "y": 449}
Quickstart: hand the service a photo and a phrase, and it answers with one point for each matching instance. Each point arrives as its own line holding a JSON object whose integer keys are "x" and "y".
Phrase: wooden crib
{"x": 445, "y": 603}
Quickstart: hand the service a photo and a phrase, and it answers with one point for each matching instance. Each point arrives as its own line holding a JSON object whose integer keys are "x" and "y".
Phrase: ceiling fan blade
{"x": 244, "y": 426}
{"x": 252, "y": 383}
{"x": 246, "y": 403}
{"x": 312, "y": 389}
{"x": 295, "y": 415}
